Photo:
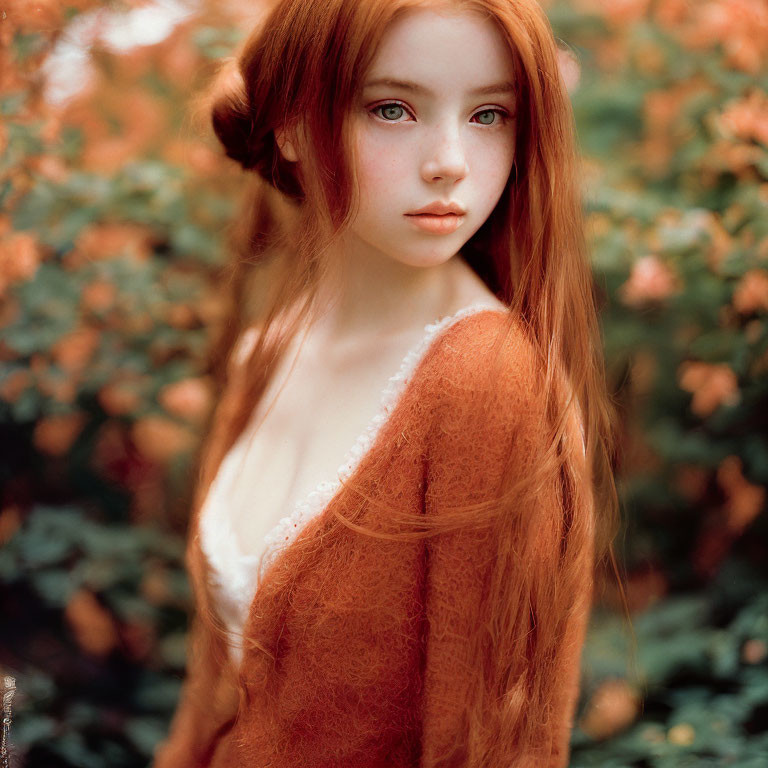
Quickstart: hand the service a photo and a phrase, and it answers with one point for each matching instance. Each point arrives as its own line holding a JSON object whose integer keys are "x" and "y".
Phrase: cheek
{"x": 494, "y": 158}
{"x": 381, "y": 160}
{"x": 490, "y": 166}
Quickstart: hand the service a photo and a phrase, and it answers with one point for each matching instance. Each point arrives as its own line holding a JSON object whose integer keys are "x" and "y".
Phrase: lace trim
{"x": 219, "y": 541}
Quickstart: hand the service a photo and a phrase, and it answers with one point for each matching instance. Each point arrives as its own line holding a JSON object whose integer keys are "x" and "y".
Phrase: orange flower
{"x": 51, "y": 129}
{"x": 139, "y": 638}
{"x": 739, "y": 26}
{"x": 671, "y": 13}
{"x": 19, "y": 257}
{"x": 751, "y": 293}
{"x": 43, "y": 15}
{"x": 721, "y": 245}
{"x": 50, "y": 167}
{"x": 744, "y": 501}
{"x": 728, "y": 156}
{"x": 691, "y": 481}
{"x": 210, "y": 308}
{"x": 109, "y": 155}
{"x": 645, "y": 587}
{"x": 134, "y": 322}
{"x": 746, "y": 118}
{"x": 55, "y": 434}
{"x": 712, "y": 385}
{"x": 611, "y": 54}
{"x": 754, "y": 651}
{"x": 107, "y": 241}
{"x": 79, "y": 112}
{"x": 98, "y": 296}
{"x": 650, "y": 280}
{"x": 120, "y": 398}
{"x": 114, "y": 457}
{"x": 14, "y": 385}
{"x": 10, "y": 522}
{"x": 142, "y": 120}
{"x": 655, "y": 153}
{"x": 92, "y": 625}
{"x": 131, "y": 66}
{"x": 73, "y": 351}
{"x": 155, "y": 587}
{"x": 613, "y": 706}
{"x": 682, "y": 734}
{"x": 662, "y": 108}
{"x": 179, "y": 60}
{"x": 10, "y": 77}
{"x": 191, "y": 399}
{"x": 180, "y": 316}
{"x": 194, "y": 155}
{"x": 617, "y": 12}
{"x": 160, "y": 439}
{"x": 650, "y": 58}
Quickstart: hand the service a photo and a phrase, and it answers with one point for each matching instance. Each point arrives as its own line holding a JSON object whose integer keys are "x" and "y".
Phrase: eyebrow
{"x": 407, "y": 85}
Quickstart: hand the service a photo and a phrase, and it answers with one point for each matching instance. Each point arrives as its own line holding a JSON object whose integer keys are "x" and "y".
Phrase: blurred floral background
{"x": 114, "y": 207}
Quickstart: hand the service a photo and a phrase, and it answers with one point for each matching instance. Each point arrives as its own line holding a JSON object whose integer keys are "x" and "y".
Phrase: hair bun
{"x": 231, "y": 114}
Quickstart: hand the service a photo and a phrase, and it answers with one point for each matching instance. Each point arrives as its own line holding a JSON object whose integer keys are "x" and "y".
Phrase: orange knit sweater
{"x": 356, "y": 646}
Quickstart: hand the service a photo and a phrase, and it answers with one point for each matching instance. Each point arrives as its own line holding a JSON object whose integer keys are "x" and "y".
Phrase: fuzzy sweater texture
{"x": 355, "y": 648}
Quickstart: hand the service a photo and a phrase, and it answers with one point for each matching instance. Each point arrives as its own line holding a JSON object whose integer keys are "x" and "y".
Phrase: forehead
{"x": 444, "y": 49}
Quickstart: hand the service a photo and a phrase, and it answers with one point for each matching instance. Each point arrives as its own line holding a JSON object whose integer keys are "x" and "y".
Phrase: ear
{"x": 286, "y": 145}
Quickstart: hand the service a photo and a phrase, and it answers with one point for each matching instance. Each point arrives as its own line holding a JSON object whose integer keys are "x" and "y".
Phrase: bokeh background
{"x": 115, "y": 204}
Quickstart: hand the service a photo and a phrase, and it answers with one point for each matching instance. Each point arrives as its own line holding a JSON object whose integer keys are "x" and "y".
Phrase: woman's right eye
{"x": 391, "y": 113}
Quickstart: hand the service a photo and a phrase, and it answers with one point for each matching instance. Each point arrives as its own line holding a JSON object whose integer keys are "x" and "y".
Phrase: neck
{"x": 367, "y": 293}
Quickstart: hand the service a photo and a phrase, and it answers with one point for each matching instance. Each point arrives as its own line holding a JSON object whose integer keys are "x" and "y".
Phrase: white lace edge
{"x": 219, "y": 541}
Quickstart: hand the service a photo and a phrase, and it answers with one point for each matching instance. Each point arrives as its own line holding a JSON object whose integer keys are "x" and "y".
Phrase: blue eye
{"x": 489, "y": 112}
{"x": 391, "y": 112}
{"x": 387, "y": 110}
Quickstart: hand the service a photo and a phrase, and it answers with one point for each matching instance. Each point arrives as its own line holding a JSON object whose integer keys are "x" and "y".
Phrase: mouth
{"x": 438, "y": 224}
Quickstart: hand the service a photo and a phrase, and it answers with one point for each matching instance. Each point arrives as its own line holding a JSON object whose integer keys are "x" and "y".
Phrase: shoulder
{"x": 484, "y": 381}
{"x": 247, "y": 338}
{"x": 487, "y": 353}
{"x": 488, "y": 379}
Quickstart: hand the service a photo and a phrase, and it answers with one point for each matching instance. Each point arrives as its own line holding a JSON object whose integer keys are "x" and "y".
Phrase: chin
{"x": 425, "y": 259}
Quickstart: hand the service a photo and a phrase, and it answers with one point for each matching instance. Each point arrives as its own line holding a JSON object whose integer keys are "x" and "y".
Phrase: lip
{"x": 439, "y": 209}
{"x": 436, "y": 224}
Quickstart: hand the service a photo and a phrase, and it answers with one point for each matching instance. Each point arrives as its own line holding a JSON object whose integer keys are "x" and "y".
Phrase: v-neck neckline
{"x": 218, "y": 534}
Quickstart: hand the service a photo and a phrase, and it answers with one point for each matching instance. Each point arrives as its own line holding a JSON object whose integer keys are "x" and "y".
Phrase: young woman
{"x": 407, "y": 482}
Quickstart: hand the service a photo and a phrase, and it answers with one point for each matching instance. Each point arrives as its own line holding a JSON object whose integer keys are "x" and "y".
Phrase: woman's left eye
{"x": 391, "y": 112}
{"x": 491, "y": 113}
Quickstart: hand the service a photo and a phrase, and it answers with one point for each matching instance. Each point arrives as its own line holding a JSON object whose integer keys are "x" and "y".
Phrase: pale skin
{"x": 443, "y": 142}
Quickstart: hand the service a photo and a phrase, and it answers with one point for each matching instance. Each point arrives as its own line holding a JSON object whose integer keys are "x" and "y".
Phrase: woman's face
{"x": 434, "y": 124}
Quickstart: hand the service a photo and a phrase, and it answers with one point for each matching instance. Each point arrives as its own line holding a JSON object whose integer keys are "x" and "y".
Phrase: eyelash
{"x": 503, "y": 114}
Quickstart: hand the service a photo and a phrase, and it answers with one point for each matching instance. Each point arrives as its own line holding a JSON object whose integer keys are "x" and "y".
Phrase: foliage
{"x": 94, "y": 629}
{"x": 674, "y": 128}
{"x": 113, "y": 210}
{"x": 702, "y": 695}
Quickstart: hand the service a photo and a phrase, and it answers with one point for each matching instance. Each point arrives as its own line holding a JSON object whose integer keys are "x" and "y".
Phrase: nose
{"x": 446, "y": 159}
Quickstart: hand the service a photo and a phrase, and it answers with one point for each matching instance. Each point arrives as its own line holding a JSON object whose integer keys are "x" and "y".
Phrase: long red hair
{"x": 300, "y": 70}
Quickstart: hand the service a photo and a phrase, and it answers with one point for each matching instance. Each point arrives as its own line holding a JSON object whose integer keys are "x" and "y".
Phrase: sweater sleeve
{"x": 523, "y": 716}
{"x": 208, "y": 700}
